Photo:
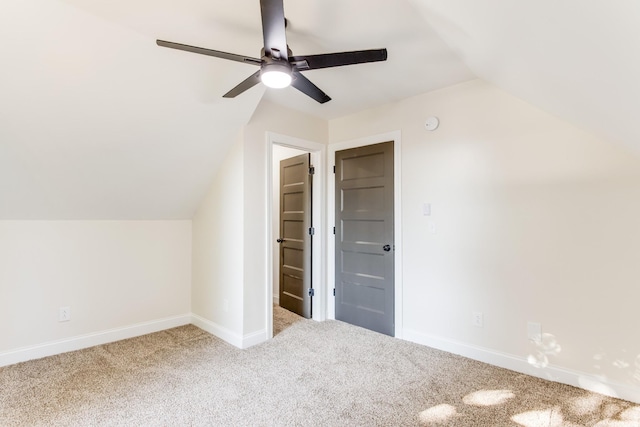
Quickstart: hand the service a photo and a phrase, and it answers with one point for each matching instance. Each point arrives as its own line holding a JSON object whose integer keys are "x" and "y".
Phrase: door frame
{"x": 318, "y": 276}
{"x": 395, "y": 137}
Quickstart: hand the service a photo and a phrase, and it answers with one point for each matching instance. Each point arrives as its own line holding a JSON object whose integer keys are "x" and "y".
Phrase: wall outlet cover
{"x": 534, "y": 332}
{"x": 64, "y": 314}
{"x": 478, "y": 319}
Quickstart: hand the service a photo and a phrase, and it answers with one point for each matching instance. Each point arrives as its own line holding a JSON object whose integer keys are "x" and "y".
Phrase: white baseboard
{"x": 254, "y": 338}
{"x": 579, "y": 379}
{"x": 276, "y": 299}
{"x": 227, "y": 335}
{"x": 217, "y": 330}
{"x": 515, "y": 363}
{"x": 103, "y": 337}
{"x": 89, "y": 340}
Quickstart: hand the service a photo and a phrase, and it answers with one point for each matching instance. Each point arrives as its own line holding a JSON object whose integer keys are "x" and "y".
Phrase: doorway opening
{"x": 282, "y": 147}
{"x": 323, "y": 159}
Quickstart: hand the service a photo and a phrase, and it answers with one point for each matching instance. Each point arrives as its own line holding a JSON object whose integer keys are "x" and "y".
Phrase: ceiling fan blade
{"x": 305, "y": 86}
{"x": 313, "y": 62}
{"x": 246, "y": 84}
{"x": 209, "y": 52}
{"x": 273, "y": 28}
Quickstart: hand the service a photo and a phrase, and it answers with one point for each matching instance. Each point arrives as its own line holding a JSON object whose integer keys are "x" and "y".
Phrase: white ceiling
{"x": 576, "y": 59}
{"x": 97, "y": 122}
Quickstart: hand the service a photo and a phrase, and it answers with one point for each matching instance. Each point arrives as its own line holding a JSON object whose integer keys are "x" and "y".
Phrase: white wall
{"x": 535, "y": 220}
{"x": 268, "y": 117}
{"x": 230, "y": 230}
{"x": 124, "y": 278}
{"x": 218, "y": 249}
{"x": 113, "y": 274}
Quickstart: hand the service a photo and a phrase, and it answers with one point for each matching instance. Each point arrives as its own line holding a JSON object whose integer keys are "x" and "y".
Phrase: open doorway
{"x": 292, "y": 221}
{"x": 322, "y": 157}
{"x": 285, "y": 147}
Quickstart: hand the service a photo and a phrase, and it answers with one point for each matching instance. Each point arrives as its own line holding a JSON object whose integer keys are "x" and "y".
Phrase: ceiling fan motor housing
{"x": 275, "y": 72}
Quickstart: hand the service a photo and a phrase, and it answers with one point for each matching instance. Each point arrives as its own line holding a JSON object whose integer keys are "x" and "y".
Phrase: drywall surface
{"x": 268, "y": 117}
{"x": 532, "y": 220}
{"x": 218, "y": 246}
{"x": 112, "y": 274}
{"x": 98, "y": 122}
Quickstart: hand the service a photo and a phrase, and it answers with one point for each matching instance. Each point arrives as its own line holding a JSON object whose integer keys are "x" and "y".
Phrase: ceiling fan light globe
{"x": 276, "y": 78}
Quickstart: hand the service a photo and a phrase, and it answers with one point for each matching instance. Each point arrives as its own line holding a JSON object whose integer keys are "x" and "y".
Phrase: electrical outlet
{"x": 64, "y": 314}
{"x": 534, "y": 331}
{"x": 478, "y": 319}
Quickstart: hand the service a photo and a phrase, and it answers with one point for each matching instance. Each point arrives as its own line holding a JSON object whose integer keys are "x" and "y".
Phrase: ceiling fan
{"x": 278, "y": 67}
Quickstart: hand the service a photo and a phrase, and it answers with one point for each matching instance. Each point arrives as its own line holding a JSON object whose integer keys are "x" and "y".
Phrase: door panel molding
{"x": 295, "y": 240}
{"x": 396, "y": 137}
{"x": 364, "y": 282}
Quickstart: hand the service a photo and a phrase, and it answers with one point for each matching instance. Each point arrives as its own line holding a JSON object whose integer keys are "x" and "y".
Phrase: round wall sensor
{"x": 432, "y": 123}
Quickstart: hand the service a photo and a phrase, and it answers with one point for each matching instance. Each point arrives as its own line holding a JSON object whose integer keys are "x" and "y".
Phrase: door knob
{"x": 280, "y": 240}
{"x": 386, "y": 248}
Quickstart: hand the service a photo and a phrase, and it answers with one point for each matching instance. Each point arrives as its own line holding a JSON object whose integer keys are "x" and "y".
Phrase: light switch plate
{"x": 431, "y": 227}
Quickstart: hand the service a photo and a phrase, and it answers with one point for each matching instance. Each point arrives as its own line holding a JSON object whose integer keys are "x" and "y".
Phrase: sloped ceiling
{"x": 576, "y": 59}
{"x": 97, "y": 122}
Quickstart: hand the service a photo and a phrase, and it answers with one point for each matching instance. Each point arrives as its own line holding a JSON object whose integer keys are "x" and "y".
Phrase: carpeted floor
{"x": 310, "y": 374}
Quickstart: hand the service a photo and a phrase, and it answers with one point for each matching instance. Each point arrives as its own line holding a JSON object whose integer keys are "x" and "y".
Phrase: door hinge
{"x": 312, "y": 170}
{"x": 312, "y": 292}
{"x": 312, "y": 231}
{"x": 334, "y": 292}
{"x": 334, "y": 230}
{"x": 334, "y": 168}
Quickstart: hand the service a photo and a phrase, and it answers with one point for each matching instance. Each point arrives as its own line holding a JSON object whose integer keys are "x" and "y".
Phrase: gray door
{"x": 364, "y": 237}
{"x": 295, "y": 235}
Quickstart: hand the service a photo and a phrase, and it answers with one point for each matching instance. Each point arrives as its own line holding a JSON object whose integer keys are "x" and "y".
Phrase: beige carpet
{"x": 310, "y": 374}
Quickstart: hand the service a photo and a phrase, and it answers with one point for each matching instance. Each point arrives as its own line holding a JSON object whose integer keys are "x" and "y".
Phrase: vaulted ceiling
{"x": 97, "y": 122}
